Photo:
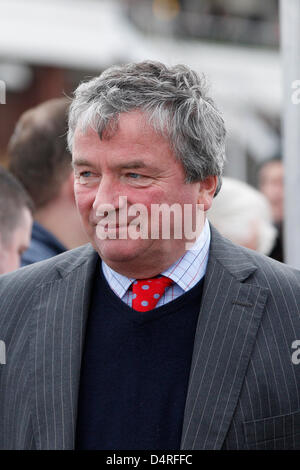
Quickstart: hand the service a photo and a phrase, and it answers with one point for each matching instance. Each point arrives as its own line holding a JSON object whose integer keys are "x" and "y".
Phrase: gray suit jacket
{"x": 244, "y": 386}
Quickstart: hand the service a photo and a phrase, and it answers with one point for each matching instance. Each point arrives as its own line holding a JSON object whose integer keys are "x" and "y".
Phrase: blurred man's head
{"x": 271, "y": 185}
{"x": 38, "y": 154}
{"x": 15, "y": 221}
{"x": 39, "y": 158}
{"x": 243, "y": 215}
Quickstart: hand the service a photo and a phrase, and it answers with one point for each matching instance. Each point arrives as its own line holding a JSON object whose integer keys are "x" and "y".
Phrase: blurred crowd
{"x": 37, "y": 206}
{"x": 38, "y": 215}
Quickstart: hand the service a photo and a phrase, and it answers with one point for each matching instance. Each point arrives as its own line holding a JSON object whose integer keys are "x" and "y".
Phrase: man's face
{"x": 12, "y": 250}
{"x": 272, "y": 186}
{"x": 138, "y": 164}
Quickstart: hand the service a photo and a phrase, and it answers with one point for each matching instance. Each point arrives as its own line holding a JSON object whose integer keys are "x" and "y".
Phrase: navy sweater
{"x": 135, "y": 371}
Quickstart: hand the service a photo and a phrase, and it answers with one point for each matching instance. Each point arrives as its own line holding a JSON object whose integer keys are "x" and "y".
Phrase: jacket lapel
{"x": 61, "y": 308}
{"x": 229, "y": 318}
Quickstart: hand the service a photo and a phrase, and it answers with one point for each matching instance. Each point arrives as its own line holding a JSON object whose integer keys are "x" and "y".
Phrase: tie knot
{"x": 147, "y": 292}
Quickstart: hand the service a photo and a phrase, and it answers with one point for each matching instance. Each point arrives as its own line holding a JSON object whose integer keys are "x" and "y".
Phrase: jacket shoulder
{"x": 47, "y": 270}
{"x": 18, "y": 287}
{"x": 249, "y": 265}
{"x": 271, "y": 273}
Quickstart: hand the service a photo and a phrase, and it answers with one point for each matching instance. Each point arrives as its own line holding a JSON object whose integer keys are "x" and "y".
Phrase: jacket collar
{"x": 234, "y": 259}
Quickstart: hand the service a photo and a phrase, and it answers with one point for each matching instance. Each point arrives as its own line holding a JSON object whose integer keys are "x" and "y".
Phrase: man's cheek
{"x": 80, "y": 206}
{"x": 84, "y": 201}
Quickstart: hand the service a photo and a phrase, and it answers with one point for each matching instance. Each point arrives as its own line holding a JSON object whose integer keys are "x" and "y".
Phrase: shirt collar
{"x": 185, "y": 272}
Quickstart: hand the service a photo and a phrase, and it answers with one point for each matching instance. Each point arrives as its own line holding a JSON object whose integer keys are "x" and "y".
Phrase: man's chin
{"x": 114, "y": 251}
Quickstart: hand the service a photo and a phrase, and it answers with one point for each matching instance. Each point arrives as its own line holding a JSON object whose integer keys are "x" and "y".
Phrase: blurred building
{"x": 249, "y": 22}
{"x": 48, "y": 46}
{"x": 236, "y": 43}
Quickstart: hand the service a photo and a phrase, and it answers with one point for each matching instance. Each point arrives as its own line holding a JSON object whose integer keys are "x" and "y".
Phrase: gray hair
{"x": 175, "y": 101}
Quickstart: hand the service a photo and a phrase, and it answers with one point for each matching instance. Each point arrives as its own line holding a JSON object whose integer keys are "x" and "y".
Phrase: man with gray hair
{"x": 154, "y": 336}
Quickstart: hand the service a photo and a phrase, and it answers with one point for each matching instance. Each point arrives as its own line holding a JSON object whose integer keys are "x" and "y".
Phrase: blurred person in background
{"x": 142, "y": 342}
{"x": 243, "y": 215}
{"x": 40, "y": 160}
{"x": 271, "y": 184}
{"x": 16, "y": 220}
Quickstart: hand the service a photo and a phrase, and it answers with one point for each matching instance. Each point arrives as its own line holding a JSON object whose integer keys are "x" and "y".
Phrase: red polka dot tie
{"x": 147, "y": 292}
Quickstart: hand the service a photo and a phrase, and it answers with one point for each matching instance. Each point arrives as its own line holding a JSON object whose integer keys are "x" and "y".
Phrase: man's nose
{"x": 107, "y": 196}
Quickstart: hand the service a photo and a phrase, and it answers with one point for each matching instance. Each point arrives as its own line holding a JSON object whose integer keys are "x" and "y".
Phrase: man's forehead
{"x": 83, "y": 133}
{"x": 134, "y": 164}
{"x": 81, "y": 161}
{"x": 133, "y": 125}
{"x": 131, "y": 151}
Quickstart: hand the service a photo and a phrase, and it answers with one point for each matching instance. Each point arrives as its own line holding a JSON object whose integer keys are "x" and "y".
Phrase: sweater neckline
{"x": 144, "y": 317}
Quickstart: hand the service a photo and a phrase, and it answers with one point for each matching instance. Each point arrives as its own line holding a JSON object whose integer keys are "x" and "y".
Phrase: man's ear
{"x": 207, "y": 190}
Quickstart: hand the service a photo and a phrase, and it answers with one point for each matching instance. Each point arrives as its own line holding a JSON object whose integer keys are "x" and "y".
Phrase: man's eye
{"x": 134, "y": 175}
{"x": 85, "y": 174}
{"x": 88, "y": 177}
{"x": 136, "y": 179}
